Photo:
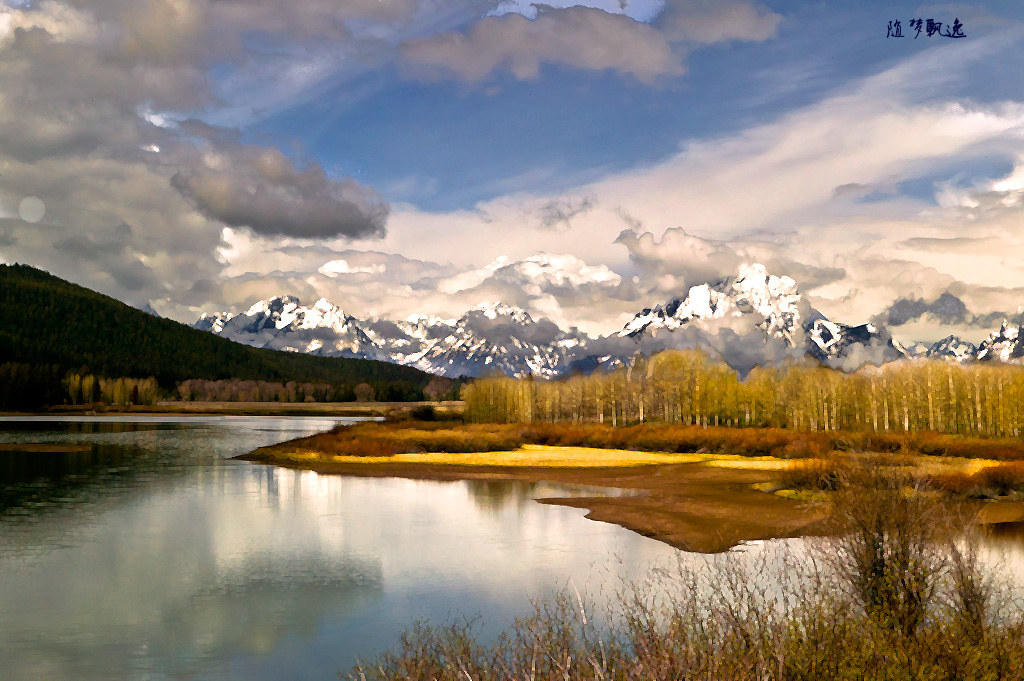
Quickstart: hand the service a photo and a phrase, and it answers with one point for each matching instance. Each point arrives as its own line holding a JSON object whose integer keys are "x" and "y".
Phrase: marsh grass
{"x": 897, "y": 592}
{"x": 1002, "y": 480}
{"x": 825, "y": 474}
{"x": 412, "y": 436}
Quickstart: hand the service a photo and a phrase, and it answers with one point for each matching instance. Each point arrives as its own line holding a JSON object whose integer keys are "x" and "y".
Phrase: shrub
{"x": 424, "y": 413}
{"x": 823, "y": 474}
{"x": 1004, "y": 478}
{"x": 890, "y": 598}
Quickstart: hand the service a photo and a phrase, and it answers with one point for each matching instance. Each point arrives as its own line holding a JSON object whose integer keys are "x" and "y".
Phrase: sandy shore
{"x": 695, "y": 505}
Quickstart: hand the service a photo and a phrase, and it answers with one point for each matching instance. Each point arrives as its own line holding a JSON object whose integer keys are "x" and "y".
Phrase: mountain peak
{"x": 493, "y": 310}
{"x": 1004, "y": 345}
{"x": 954, "y": 348}
{"x": 752, "y": 317}
{"x": 274, "y": 305}
{"x": 751, "y": 291}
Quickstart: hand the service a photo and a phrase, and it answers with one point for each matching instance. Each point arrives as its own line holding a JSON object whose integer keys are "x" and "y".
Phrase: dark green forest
{"x": 50, "y": 327}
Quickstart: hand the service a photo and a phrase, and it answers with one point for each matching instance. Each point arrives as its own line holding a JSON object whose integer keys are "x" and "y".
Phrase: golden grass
{"x": 749, "y": 463}
{"x": 538, "y": 456}
{"x": 545, "y": 456}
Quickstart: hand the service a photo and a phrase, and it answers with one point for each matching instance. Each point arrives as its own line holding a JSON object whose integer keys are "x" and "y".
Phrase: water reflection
{"x": 498, "y": 496}
{"x": 149, "y": 555}
{"x": 502, "y": 496}
{"x": 68, "y": 425}
{"x": 40, "y": 479}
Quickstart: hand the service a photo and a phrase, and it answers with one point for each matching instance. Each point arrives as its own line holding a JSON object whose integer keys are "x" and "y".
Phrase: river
{"x": 149, "y": 554}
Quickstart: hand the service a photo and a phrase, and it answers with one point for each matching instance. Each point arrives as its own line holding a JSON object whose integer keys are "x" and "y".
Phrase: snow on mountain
{"x": 750, "y": 319}
{"x": 283, "y": 323}
{"x": 398, "y": 340}
{"x": 489, "y": 338}
{"x": 914, "y": 350}
{"x": 752, "y": 292}
{"x": 213, "y": 323}
{"x": 757, "y": 318}
{"x": 1004, "y": 345}
{"x": 953, "y": 348}
{"x": 497, "y": 338}
{"x": 849, "y": 347}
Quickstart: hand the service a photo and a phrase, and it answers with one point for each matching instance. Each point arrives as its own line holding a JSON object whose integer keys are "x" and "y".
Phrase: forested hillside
{"x": 50, "y": 326}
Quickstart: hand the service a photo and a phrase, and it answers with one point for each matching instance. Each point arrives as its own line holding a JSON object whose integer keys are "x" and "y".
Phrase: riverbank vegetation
{"x": 689, "y": 388}
{"x": 412, "y": 436}
{"x": 895, "y": 591}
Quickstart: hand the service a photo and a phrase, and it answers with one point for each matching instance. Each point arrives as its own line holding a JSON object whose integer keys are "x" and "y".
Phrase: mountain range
{"x": 751, "y": 318}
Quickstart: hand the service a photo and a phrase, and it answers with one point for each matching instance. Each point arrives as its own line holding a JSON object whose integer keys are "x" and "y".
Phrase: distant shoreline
{"x": 341, "y": 409}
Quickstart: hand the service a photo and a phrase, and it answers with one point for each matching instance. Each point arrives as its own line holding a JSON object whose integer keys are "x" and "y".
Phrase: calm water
{"x": 149, "y": 555}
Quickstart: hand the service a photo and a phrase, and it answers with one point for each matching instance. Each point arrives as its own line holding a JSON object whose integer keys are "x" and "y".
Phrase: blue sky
{"x": 582, "y": 161}
{"x": 446, "y": 146}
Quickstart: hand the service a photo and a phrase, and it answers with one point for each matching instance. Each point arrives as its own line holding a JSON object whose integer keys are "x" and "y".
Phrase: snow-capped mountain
{"x": 496, "y": 338}
{"x": 915, "y": 350}
{"x": 283, "y": 323}
{"x": 751, "y": 292}
{"x": 214, "y": 323}
{"x": 748, "y": 319}
{"x": 756, "y": 304}
{"x": 1004, "y": 345}
{"x": 953, "y": 348}
{"x": 398, "y": 340}
{"x": 847, "y": 346}
{"x": 490, "y": 337}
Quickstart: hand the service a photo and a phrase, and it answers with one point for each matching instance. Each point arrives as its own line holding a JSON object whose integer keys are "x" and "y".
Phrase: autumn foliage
{"x": 411, "y": 436}
{"x": 688, "y": 388}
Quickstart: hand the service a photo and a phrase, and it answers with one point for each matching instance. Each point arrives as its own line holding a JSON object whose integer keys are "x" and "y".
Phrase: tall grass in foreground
{"x": 896, "y": 593}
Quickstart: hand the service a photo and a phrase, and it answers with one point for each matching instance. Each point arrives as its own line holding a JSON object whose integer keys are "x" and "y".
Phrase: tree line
{"x": 51, "y": 327}
{"x": 49, "y": 321}
{"x": 688, "y": 387}
{"x": 89, "y": 389}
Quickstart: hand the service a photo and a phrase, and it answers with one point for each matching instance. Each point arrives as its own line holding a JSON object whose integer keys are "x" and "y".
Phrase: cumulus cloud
{"x": 678, "y": 259}
{"x": 713, "y": 21}
{"x": 340, "y": 266}
{"x": 769, "y": 193}
{"x": 145, "y": 202}
{"x": 579, "y": 37}
{"x": 261, "y": 189}
{"x": 562, "y": 288}
{"x": 519, "y": 39}
{"x": 949, "y": 314}
{"x": 135, "y": 203}
{"x": 559, "y": 213}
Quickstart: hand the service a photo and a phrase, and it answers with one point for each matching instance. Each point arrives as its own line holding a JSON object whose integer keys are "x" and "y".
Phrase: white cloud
{"x": 333, "y": 268}
{"x": 632, "y": 38}
{"x": 91, "y": 88}
{"x": 580, "y": 37}
{"x": 774, "y": 193}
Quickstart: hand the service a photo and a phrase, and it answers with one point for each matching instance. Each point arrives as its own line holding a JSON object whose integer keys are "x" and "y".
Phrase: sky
{"x": 582, "y": 161}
